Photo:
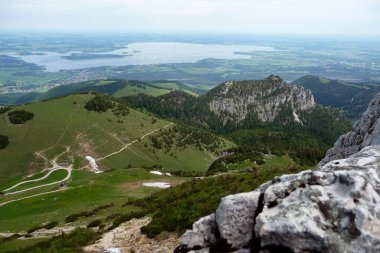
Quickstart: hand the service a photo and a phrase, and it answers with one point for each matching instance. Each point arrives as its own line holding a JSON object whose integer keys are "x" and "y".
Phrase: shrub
{"x": 49, "y": 225}
{"x": 99, "y": 103}
{"x": 76, "y": 216}
{"x": 94, "y": 223}
{"x": 72, "y": 242}
{"x": 20, "y": 116}
{"x": 4, "y": 141}
{"x": 127, "y": 217}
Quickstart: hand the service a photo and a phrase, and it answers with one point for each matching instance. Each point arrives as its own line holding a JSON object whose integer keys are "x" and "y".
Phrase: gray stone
{"x": 235, "y": 217}
{"x": 202, "y": 233}
{"x": 335, "y": 208}
{"x": 366, "y": 132}
{"x": 235, "y": 100}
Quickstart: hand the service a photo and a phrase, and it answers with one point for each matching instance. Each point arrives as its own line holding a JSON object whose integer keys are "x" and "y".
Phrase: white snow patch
{"x": 93, "y": 164}
{"x": 161, "y": 185}
{"x": 168, "y": 174}
{"x": 156, "y": 172}
{"x": 113, "y": 250}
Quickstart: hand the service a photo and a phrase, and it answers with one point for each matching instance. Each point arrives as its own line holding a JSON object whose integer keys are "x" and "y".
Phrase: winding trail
{"x": 27, "y": 197}
{"x": 35, "y": 195}
{"x": 69, "y": 169}
{"x": 36, "y": 180}
{"x": 129, "y": 144}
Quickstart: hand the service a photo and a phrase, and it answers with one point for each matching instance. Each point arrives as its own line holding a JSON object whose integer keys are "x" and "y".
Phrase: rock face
{"x": 366, "y": 132}
{"x": 235, "y": 100}
{"x": 335, "y": 208}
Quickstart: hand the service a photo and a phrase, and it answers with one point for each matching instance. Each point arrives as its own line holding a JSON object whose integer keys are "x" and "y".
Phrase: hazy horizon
{"x": 269, "y": 17}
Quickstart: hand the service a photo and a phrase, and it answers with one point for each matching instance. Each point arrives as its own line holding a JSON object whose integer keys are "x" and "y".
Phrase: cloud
{"x": 253, "y": 16}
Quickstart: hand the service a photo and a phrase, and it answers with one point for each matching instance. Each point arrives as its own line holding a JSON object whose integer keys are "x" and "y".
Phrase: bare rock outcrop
{"x": 266, "y": 99}
{"x": 335, "y": 208}
{"x": 366, "y": 132}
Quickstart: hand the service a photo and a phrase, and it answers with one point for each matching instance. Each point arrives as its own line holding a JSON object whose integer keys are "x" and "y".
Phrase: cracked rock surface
{"x": 366, "y": 132}
{"x": 335, "y": 208}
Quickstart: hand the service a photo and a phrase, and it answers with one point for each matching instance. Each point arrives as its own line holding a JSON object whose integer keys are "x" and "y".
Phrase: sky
{"x": 297, "y": 17}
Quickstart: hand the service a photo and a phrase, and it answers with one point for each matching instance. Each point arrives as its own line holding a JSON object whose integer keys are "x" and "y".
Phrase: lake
{"x": 141, "y": 54}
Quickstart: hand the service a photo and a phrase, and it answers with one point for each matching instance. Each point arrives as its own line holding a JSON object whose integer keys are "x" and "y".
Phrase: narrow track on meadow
{"x": 69, "y": 169}
{"x": 54, "y": 168}
{"x": 130, "y": 143}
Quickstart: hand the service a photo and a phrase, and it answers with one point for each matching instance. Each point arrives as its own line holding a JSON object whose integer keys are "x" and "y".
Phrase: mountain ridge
{"x": 353, "y": 98}
{"x": 234, "y": 100}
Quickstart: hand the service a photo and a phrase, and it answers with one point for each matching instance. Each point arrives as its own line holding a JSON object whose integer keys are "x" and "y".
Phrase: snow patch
{"x": 156, "y": 172}
{"x": 168, "y": 174}
{"x": 161, "y": 185}
{"x": 93, "y": 164}
{"x": 113, "y": 250}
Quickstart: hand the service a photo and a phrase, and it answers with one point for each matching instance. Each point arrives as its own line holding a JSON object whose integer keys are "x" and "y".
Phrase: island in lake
{"x": 87, "y": 56}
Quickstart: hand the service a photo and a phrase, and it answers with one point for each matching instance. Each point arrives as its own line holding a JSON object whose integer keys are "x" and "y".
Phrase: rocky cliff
{"x": 234, "y": 100}
{"x": 366, "y": 132}
{"x": 335, "y": 208}
{"x": 332, "y": 209}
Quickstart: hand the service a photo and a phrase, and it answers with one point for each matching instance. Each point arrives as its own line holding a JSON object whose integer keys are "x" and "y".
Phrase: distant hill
{"x": 114, "y": 87}
{"x": 63, "y": 129}
{"x": 352, "y": 98}
{"x": 263, "y": 113}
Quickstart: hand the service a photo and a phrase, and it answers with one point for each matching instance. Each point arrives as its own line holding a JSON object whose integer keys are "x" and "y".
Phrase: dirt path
{"x": 54, "y": 168}
{"x": 128, "y": 238}
{"x": 28, "y": 197}
{"x": 68, "y": 169}
{"x": 129, "y": 144}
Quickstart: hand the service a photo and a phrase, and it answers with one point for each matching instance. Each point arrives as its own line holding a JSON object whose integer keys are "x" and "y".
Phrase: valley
{"x": 200, "y": 62}
{"x": 113, "y": 150}
{"x": 197, "y": 126}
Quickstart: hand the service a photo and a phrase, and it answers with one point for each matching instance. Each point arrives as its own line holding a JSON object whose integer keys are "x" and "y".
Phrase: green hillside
{"x": 112, "y": 87}
{"x": 306, "y": 143}
{"x": 352, "y": 98}
{"x": 62, "y": 129}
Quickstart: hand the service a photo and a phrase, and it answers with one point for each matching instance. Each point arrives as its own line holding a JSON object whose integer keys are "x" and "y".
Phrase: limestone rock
{"x": 202, "y": 233}
{"x": 366, "y": 132}
{"x": 235, "y": 217}
{"x": 265, "y": 99}
{"x": 335, "y": 208}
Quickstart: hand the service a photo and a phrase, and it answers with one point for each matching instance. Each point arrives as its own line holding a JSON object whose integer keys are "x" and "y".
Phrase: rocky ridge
{"x": 366, "y": 132}
{"x": 235, "y": 100}
{"x": 332, "y": 209}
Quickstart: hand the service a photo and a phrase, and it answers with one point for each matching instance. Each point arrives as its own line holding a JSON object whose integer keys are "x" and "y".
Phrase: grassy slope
{"x": 132, "y": 90}
{"x": 53, "y": 177}
{"x": 65, "y": 122}
{"x": 86, "y": 191}
{"x": 113, "y": 87}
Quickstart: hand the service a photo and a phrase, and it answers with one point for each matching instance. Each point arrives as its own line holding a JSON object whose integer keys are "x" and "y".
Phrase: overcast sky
{"x": 335, "y": 17}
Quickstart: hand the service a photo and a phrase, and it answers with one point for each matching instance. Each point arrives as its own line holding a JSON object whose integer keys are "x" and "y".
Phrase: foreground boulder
{"x": 366, "y": 132}
{"x": 335, "y": 208}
